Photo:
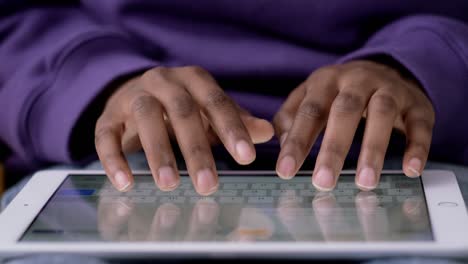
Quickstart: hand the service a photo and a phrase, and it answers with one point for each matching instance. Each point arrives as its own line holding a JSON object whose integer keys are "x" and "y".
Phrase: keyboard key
{"x": 190, "y": 193}
{"x": 174, "y": 192}
{"x": 290, "y": 199}
{"x": 292, "y": 186}
{"x": 143, "y": 199}
{"x": 307, "y": 193}
{"x": 384, "y": 198}
{"x": 283, "y": 193}
{"x": 254, "y": 193}
{"x": 173, "y": 199}
{"x": 235, "y": 186}
{"x": 264, "y": 186}
{"x": 185, "y": 186}
{"x": 346, "y": 185}
{"x": 260, "y": 199}
{"x": 400, "y": 192}
{"x": 338, "y": 192}
{"x": 201, "y": 198}
{"x": 147, "y": 185}
{"x": 141, "y": 192}
{"x": 226, "y": 193}
{"x": 345, "y": 199}
{"x": 231, "y": 200}
{"x": 109, "y": 192}
{"x": 383, "y": 185}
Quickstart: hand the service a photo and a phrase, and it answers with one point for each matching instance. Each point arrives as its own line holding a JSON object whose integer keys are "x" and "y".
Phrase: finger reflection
{"x": 113, "y": 216}
{"x": 372, "y": 217}
{"x": 330, "y": 218}
{"x": 163, "y": 227}
{"x": 253, "y": 225}
{"x": 296, "y": 218}
{"x": 203, "y": 221}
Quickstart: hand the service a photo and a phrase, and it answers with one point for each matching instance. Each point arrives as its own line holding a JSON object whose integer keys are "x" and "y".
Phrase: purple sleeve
{"x": 435, "y": 50}
{"x": 54, "y": 63}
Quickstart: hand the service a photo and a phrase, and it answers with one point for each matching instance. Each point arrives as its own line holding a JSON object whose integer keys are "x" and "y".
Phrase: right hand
{"x": 187, "y": 102}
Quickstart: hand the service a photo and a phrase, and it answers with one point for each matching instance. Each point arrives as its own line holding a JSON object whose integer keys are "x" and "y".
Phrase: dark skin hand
{"x": 187, "y": 105}
{"x": 337, "y": 97}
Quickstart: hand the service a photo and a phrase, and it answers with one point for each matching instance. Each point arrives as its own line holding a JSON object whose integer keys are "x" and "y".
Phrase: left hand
{"x": 337, "y": 97}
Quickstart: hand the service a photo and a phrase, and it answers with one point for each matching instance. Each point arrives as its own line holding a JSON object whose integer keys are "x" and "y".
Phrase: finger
{"x": 222, "y": 113}
{"x": 309, "y": 120}
{"x": 345, "y": 114}
{"x": 419, "y": 137}
{"x": 147, "y": 113}
{"x": 381, "y": 114}
{"x": 108, "y": 146}
{"x": 184, "y": 115}
{"x": 284, "y": 118}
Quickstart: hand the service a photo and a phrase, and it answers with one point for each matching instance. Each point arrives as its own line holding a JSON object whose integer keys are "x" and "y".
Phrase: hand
{"x": 188, "y": 102}
{"x": 337, "y": 97}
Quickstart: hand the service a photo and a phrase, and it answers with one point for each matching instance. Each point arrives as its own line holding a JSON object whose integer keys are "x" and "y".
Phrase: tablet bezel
{"x": 449, "y": 227}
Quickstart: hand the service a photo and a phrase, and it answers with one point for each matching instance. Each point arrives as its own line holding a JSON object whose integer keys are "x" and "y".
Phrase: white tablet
{"x": 254, "y": 214}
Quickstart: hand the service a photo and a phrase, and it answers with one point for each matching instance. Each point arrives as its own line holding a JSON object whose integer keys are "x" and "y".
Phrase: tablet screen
{"x": 246, "y": 208}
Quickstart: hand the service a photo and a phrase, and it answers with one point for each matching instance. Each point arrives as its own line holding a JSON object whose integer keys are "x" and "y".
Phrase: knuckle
{"x": 195, "y": 70}
{"x": 327, "y": 72}
{"x": 348, "y": 103}
{"x": 217, "y": 99}
{"x": 296, "y": 143}
{"x": 158, "y": 74}
{"x": 312, "y": 110}
{"x": 384, "y": 104}
{"x": 143, "y": 105}
{"x": 197, "y": 153}
{"x": 110, "y": 158}
{"x": 103, "y": 132}
{"x": 333, "y": 149}
{"x": 425, "y": 125}
{"x": 375, "y": 151}
{"x": 232, "y": 130}
{"x": 182, "y": 105}
{"x": 419, "y": 147}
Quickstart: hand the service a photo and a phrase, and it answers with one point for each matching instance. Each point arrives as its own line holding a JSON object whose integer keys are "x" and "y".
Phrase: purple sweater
{"x": 55, "y": 59}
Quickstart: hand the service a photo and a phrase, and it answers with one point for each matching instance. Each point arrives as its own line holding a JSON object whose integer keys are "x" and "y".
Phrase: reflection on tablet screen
{"x": 262, "y": 208}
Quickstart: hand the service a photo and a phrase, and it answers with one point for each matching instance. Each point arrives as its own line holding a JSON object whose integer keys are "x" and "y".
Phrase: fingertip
{"x": 260, "y": 130}
{"x": 122, "y": 181}
{"x": 245, "y": 152}
{"x": 413, "y": 168}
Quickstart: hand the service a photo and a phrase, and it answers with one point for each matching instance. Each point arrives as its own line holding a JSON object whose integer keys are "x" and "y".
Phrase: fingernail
{"x": 167, "y": 178}
{"x": 367, "y": 179}
{"x": 414, "y": 166}
{"x": 206, "y": 182}
{"x": 283, "y": 138}
{"x": 244, "y": 151}
{"x": 324, "y": 181}
{"x": 287, "y": 167}
{"x": 121, "y": 180}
